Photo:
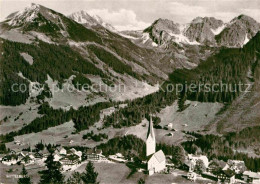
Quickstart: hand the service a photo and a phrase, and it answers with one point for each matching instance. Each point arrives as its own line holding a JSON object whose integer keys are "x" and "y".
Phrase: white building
{"x": 251, "y": 177}
{"x": 195, "y": 158}
{"x": 235, "y": 165}
{"x": 156, "y": 160}
{"x": 63, "y": 151}
{"x": 170, "y": 126}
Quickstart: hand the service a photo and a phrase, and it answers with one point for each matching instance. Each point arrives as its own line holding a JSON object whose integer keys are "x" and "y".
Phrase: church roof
{"x": 150, "y": 129}
{"x": 159, "y": 155}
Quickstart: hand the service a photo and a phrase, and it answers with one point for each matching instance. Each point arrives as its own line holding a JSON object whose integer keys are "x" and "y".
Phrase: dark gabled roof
{"x": 228, "y": 172}
{"x": 94, "y": 151}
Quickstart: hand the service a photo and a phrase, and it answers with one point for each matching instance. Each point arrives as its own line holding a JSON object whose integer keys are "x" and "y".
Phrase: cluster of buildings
{"x": 22, "y": 157}
{"x": 232, "y": 171}
{"x": 227, "y": 173}
{"x": 65, "y": 157}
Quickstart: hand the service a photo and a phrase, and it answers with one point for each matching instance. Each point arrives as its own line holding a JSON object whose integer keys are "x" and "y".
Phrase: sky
{"x": 139, "y": 14}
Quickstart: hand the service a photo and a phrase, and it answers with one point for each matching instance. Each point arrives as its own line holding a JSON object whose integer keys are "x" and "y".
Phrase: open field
{"x": 108, "y": 173}
{"x": 196, "y": 116}
{"x": 244, "y": 111}
{"x": 17, "y": 116}
{"x": 113, "y": 173}
{"x": 9, "y": 173}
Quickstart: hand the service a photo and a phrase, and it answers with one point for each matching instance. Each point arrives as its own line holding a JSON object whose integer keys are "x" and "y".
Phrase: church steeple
{"x": 150, "y": 139}
{"x": 150, "y": 129}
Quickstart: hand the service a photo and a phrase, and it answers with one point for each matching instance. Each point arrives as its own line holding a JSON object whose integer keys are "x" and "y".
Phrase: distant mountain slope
{"x": 48, "y": 34}
{"x": 200, "y": 31}
{"x": 83, "y": 17}
{"x": 57, "y": 27}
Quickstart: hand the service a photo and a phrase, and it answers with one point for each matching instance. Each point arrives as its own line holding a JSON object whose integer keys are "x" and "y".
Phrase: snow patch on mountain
{"x": 26, "y": 15}
{"x": 180, "y": 38}
{"x": 246, "y": 40}
{"x": 128, "y": 36}
{"x": 83, "y": 17}
{"x": 145, "y": 37}
{"x": 218, "y": 30}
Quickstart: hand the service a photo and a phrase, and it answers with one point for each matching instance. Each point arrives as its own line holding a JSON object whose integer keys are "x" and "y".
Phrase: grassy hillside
{"x": 57, "y": 61}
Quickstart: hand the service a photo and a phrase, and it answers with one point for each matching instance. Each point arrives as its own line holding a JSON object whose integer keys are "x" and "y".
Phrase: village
{"x": 196, "y": 167}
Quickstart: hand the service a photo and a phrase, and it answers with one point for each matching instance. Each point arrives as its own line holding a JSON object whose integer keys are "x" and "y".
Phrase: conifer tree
{"x": 25, "y": 179}
{"x": 52, "y": 175}
{"x": 89, "y": 176}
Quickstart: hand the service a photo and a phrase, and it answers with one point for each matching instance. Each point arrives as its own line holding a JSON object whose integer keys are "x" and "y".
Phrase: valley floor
{"x": 108, "y": 173}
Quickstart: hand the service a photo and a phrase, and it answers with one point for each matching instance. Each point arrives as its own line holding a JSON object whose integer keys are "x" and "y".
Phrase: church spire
{"x": 150, "y": 139}
{"x": 150, "y": 129}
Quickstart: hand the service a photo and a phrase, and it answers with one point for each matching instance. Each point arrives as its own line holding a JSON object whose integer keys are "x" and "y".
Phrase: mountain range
{"x": 40, "y": 46}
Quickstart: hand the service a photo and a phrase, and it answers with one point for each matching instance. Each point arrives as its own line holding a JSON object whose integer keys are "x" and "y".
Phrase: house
{"x": 170, "y": 126}
{"x": 27, "y": 160}
{"x": 56, "y": 156}
{"x": 75, "y": 152}
{"x": 156, "y": 161}
{"x": 216, "y": 165}
{"x": 70, "y": 160}
{"x": 226, "y": 176}
{"x": 117, "y": 158}
{"x": 119, "y": 155}
{"x": 194, "y": 158}
{"x": 251, "y": 177}
{"x": 10, "y": 159}
{"x": 21, "y": 155}
{"x": 45, "y": 153}
{"x": 94, "y": 154}
{"x": 62, "y": 151}
{"x": 38, "y": 156}
{"x": 236, "y": 165}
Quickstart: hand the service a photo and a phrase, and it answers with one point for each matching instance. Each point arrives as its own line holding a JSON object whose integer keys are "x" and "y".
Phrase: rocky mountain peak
{"x": 26, "y": 15}
{"x": 83, "y": 17}
{"x": 160, "y": 31}
{"x": 163, "y": 25}
{"x": 243, "y": 18}
{"x": 212, "y": 21}
{"x": 238, "y": 31}
{"x": 202, "y": 29}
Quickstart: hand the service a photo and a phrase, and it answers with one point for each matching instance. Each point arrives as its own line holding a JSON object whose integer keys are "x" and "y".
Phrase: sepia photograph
{"x": 129, "y": 91}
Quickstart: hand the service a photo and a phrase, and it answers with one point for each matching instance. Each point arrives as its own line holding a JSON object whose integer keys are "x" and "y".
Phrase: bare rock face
{"x": 160, "y": 29}
{"x": 238, "y": 32}
{"x": 200, "y": 29}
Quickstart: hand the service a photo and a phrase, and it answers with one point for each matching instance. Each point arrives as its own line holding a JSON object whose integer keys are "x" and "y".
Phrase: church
{"x": 155, "y": 160}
